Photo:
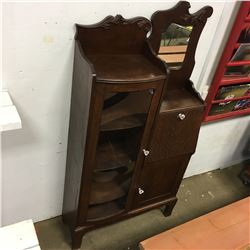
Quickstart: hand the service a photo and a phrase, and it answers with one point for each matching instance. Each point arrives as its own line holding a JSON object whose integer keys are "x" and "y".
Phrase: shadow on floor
{"x": 197, "y": 195}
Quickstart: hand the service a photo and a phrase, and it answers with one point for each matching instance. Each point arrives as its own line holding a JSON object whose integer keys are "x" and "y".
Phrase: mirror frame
{"x": 179, "y": 14}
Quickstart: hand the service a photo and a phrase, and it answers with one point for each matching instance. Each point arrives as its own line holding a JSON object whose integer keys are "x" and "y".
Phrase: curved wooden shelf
{"x": 179, "y": 99}
{"x": 123, "y": 115}
{"x": 124, "y": 68}
{"x": 113, "y": 98}
{"x": 102, "y": 192}
{"x": 125, "y": 122}
{"x": 106, "y": 176}
{"x": 115, "y": 154}
{"x": 104, "y": 211}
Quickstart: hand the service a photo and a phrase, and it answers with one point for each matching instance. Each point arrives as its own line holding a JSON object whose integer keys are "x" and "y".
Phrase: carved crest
{"x": 142, "y": 22}
{"x": 199, "y": 17}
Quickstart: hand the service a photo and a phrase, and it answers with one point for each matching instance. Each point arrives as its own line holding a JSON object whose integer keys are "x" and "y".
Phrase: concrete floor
{"x": 197, "y": 195}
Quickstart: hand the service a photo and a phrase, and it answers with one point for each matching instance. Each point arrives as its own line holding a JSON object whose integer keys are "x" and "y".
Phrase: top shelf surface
{"x": 179, "y": 99}
{"x": 125, "y": 68}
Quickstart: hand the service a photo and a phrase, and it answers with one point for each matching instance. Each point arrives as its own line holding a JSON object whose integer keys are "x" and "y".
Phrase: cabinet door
{"x": 176, "y": 133}
{"x": 124, "y": 120}
{"x": 160, "y": 180}
{"x": 174, "y": 140}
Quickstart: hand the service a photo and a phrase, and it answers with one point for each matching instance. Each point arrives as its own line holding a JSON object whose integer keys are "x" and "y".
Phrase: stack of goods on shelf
{"x": 229, "y": 94}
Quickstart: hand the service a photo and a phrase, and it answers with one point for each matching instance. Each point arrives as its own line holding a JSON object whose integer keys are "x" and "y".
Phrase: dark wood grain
{"x": 175, "y": 136}
{"x": 179, "y": 14}
{"x": 104, "y": 211}
{"x": 145, "y": 141}
{"x": 125, "y": 122}
{"x": 125, "y": 68}
{"x": 79, "y": 112}
{"x": 123, "y": 116}
{"x": 127, "y": 101}
{"x": 157, "y": 180}
{"x": 113, "y": 98}
{"x": 96, "y": 107}
{"x": 105, "y": 176}
{"x": 117, "y": 151}
{"x": 180, "y": 99}
{"x": 114, "y": 35}
{"x": 102, "y": 192}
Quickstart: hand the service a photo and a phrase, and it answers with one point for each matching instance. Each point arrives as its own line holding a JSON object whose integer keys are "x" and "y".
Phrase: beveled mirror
{"x": 173, "y": 45}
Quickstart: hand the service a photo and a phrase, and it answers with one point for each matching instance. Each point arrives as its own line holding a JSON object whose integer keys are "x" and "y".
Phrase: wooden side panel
{"x": 79, "y": 112}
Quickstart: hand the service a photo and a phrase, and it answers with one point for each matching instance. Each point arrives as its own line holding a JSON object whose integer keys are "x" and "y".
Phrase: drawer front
{"x": 177, "y": 133}
{"x": 160, "y": 180}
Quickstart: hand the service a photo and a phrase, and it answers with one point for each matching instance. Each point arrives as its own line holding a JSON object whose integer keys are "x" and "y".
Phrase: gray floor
{"x": 198, "y": 195}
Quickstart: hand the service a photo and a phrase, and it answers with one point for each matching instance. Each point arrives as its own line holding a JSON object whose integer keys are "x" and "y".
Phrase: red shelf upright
{"x": 232, "y": 105}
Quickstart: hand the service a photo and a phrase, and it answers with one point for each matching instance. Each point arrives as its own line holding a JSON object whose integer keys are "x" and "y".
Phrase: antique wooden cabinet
{"x": 134, "y": 118}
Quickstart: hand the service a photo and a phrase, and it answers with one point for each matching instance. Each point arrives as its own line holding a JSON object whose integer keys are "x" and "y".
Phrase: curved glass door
{"x": 123, "y": 120}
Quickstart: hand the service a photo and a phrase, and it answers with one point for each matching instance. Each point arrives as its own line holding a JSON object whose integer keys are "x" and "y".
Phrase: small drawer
{"x": 177, "y": 133}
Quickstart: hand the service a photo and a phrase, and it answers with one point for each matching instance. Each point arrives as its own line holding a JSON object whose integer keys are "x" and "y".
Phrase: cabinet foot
{"x": 169, "y": 208}
{"x": 167, "y": 211}
{"x": 76, "y": 239}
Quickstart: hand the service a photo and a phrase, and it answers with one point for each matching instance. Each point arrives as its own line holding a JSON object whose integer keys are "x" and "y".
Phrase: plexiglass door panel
{"x": 124, "y": 116}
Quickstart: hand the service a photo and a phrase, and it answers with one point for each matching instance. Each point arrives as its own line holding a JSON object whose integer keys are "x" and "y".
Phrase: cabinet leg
{"x": 167, "y": 211}
{"x": 169, "y": 208}
{"x": 76, "y": 238}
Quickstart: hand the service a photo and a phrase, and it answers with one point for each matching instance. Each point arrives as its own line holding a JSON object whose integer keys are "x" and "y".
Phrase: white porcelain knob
{"x": 140, "y": 191}
{"x": 181, "y": 116}
{"x": 151, "y": 91}
{"x": 145, "y": 152}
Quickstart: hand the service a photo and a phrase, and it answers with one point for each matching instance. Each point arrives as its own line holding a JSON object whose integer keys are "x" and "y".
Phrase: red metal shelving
{"x": 227, "y": 115}
{"x": 231, "y": 99}
{"x": 234, "y": 80}
{"x": 242, "y": 22}
{"x": 238, "y": 63}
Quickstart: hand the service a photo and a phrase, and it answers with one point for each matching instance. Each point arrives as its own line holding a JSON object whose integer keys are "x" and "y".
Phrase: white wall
{"x": 37, "y": 66}
{"x": 1, "y": 182}
{"x": 221, "y": 144}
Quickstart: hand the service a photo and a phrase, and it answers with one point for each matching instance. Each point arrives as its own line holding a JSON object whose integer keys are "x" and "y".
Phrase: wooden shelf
{"x": 125, "y": 68}
{"x": 125, "y": 122}
{"x": 115, "y": 153}
{"x": 106, "y": 176}
{"x": 102, "y": 192}
{"x": 104, "y": 211}
{"x": 178, "y": 99}
{"x": 123, "y": 115}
